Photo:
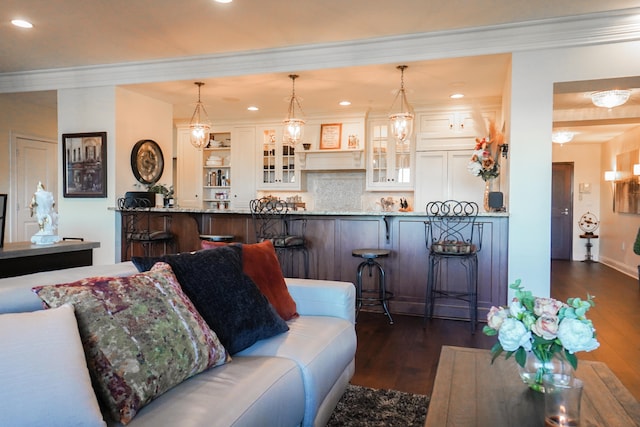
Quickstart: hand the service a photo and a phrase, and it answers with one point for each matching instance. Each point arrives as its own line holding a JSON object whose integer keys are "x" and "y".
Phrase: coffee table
{"x": 470, "y": 391}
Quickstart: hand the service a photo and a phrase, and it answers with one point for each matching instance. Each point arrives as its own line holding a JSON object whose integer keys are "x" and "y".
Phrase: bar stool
{"x": 381, "y": 295}
{"x": 453, "y": 239}
{"x": 218, "y": 238}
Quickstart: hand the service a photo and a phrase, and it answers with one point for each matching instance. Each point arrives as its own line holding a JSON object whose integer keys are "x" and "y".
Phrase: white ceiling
{"x": 81, "y": 33}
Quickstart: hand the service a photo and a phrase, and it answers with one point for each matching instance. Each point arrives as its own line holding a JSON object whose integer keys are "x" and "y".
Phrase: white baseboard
{"x": 623, "y": 268}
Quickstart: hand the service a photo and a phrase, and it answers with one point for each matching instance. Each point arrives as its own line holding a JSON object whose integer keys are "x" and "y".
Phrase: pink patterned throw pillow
{"x": 141, "y": 335}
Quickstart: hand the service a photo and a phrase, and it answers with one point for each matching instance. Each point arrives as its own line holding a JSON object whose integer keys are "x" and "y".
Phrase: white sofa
{"x": 293, "y": 379}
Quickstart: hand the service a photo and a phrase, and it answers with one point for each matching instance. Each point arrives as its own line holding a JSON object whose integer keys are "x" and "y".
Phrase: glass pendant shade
{"x": 199, "y": 124}
{"x": 293, "y": 126}
{"x": 401, "y": 118}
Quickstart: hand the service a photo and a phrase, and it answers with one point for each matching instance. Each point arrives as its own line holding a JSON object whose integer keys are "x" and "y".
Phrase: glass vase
{"x": 534, "y": 369}
{"x": 488, "y": 188}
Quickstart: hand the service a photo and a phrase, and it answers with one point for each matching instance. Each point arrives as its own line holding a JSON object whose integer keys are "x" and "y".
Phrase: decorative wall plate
{"x": 147, "y": 162}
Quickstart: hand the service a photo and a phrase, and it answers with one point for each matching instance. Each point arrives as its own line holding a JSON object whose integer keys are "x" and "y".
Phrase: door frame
{"x": 12, "y": 205}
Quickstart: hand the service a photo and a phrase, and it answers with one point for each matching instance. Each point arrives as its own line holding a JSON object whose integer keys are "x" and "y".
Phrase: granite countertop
{"x": 178, "y": 209}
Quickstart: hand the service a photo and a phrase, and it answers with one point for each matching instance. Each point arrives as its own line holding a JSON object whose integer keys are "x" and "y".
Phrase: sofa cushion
{"x": 141, "y": 335}
{"x": 323, "y": 347}
{"x": 43, "y": 374}
{"x": 249, "y": 391}
{"x": 260, "y": 262}
{"x": 228, "y": 300}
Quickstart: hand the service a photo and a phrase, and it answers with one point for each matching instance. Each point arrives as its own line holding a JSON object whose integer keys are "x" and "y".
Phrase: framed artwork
{"x": 3, "y": 215}
{"x": 84, "y": 161}
{"x": 330, "y": 136}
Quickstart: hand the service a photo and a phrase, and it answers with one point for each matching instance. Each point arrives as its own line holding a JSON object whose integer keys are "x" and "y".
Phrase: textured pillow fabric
{"x": 260, "y": 262}
{"x": 44, "y": 379}
{"x": 141, "y": 335}
{"x": 227, "y": 299}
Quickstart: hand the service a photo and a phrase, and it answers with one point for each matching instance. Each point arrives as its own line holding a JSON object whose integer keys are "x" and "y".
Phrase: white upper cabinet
{"x": 188, "y": 171}
{"x": 276, "y": 160}
{"x": 452, "y": 130}
{"x": 389, "y": 163}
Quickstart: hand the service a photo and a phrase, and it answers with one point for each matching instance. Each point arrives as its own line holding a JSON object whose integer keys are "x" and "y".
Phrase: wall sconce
{"x": 612, "y": 177}
{"x": 504, "y": 149}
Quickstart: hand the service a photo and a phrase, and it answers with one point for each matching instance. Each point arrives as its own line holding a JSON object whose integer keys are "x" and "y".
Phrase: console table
{"x": 20, "y": 258}
{"x": 470, "y": 391}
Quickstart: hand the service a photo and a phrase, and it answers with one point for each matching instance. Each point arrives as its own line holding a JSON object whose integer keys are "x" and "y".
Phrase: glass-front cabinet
{"x": 389, "y": 165}
{"x": 277, "y": 160}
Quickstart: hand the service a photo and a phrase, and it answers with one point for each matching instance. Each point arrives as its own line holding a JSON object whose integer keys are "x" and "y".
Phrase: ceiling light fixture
{"x": 561, "y": 137}
{"x": 456, "y": 95}
{"x": 199, "y": 127}
{"x": 252, "y": 108}
{"x": 293, "y": 126}
{"x": 22, "y": 23}
{"x": 345, "y": 103}
{"x": 610, "y": 98}
{"x": 401, "y": 120}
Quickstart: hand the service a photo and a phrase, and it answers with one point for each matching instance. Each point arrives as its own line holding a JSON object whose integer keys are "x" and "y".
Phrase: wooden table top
{"x": 470, "y": 391}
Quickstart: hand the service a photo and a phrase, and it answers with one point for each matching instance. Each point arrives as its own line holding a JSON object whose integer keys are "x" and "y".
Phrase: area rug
{"x": 368, "y": 407}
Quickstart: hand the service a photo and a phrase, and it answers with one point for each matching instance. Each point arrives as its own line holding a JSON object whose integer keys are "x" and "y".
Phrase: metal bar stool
{"x": 218, "y": 238}
{"x": 453, "y": 239}
{"x": 381, "y": 295}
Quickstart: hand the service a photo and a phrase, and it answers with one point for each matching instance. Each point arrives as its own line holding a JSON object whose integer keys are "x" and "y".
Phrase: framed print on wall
{"x": 84, "y": 161}
{"x": 330, "y": 136}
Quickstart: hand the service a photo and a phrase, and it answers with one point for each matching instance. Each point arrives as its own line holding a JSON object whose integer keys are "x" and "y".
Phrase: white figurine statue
{"x": 42, "y": 204}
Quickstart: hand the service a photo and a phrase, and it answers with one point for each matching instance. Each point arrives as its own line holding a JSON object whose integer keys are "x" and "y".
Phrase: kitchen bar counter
{"x": 331, "y": 237}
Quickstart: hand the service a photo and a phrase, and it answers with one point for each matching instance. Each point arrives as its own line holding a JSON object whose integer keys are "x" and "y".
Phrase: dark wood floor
{"x": 404, "y": 356}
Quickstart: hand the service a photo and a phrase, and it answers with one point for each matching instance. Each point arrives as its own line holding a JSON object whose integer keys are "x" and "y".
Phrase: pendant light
{"x": 293, "y": 126}
{"x": 199, "y": 125}
{"x": 401, "y": 120}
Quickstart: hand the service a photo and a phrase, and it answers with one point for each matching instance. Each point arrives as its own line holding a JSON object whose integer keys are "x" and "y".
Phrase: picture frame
{"x": 3, "y": 216}
{"x": 84, "y": 162}
{"x": 330, "y": 136}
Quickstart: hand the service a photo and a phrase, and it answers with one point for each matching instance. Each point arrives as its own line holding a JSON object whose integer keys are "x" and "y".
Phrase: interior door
{"x": 35, "y": 160}
{"x": 561, "y": 210}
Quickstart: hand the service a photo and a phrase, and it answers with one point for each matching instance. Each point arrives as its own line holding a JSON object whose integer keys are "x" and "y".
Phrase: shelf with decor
{"x": 216, "y": 171}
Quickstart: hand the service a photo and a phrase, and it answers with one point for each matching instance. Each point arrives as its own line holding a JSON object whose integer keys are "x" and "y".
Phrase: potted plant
{"x": 165, "y": 191}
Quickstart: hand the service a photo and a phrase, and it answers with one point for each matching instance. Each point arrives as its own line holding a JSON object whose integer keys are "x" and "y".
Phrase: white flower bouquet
{"x": 543, "y": 326}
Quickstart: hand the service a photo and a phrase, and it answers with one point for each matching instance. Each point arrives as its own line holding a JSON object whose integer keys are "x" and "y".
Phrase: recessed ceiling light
{"x": 345, "y": 103}
{"x": 253, "y": 108}
{"x": 456, "y": 95}
{"x": 223, "y": 1}
{"x": 22, "y": 23}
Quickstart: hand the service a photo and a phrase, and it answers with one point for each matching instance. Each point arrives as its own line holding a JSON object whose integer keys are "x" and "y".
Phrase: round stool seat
{"x": 217, "y": 238}
{"x": 370, "y": 253}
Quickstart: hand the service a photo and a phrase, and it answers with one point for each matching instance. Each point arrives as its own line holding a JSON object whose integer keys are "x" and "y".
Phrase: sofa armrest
{"x": 323, "y": 297}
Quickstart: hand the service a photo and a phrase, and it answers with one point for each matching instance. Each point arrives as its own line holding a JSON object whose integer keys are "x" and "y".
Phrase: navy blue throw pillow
{"x": 228, "y": 300}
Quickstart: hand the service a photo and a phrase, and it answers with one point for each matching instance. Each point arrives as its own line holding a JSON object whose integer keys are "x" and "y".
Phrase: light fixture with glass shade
{"x": 562, "y": 136}
{"x": 200, "y": 123}
{"x": 293, "y": 124}
{"x": 402, "y": 118}
{"x": 610, "y": 98}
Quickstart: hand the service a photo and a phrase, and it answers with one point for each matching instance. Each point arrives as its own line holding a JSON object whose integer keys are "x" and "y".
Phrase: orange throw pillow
{"x": 260, "y": 263}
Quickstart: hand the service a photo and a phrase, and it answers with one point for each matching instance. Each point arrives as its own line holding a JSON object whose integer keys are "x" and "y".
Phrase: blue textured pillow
{"x": 227, "y": 299}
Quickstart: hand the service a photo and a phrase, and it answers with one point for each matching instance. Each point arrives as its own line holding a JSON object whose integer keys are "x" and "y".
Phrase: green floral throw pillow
{"x": 141, "y": 335}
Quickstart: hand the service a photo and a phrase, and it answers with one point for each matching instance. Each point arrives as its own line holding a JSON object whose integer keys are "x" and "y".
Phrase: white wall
{"x": 126, "y": 117}
{"x": 586, "y": 169}
{"x": 617, "y": 230}
{"x": 90, "y": 110}
{"x": 533, "y": 75}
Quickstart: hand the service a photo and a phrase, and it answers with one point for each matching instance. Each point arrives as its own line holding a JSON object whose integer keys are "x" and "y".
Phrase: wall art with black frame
{"x": 84, "y": 161}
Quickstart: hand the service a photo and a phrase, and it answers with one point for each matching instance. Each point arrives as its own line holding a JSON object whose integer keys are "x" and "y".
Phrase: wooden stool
{"x": 381, "y": 295}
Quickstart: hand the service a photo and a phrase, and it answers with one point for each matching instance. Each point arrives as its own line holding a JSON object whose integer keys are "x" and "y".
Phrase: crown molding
{"x": 581, "y": 30}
